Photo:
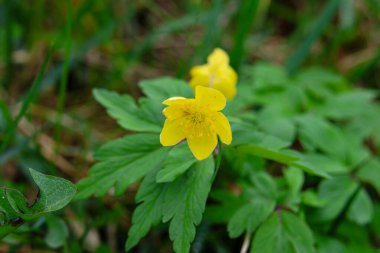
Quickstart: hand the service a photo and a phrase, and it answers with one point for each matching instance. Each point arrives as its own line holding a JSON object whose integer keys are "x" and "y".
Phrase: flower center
{"x": 196, "y": 121}
{"x": 197, "y": 117}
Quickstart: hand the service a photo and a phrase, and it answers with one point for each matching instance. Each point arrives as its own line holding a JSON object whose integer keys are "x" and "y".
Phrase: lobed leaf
{"x": 121, "y": 163}
{"x": 149, "y": 212}
{"x": 163, "y": 88}
{"x": 161, "y": 201}
{"x": 361, "y": 209}
{"x": 179, "y": 160}
{"x": 192, "y": 190}
{"x": 283, "y": 232}
{"x": 336, "y": 192}
{"x": 127, "y": 113}
{"x": 250, "y": 216}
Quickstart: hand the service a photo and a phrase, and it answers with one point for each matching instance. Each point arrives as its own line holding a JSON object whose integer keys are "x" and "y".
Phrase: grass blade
{"x": 298, "y": 57}
{"x": 246, "y": 18}
{"x": 30, "y": 97}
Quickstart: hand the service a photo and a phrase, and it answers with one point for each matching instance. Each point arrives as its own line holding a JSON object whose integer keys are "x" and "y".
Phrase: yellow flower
{"x": 198, "y": 120}
{"x": 217, "y": 74}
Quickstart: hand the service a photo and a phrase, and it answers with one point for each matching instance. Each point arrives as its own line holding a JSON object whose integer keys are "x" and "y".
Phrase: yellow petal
{"x": 172, "y": 132}
{"x": 173, "y": 112}
{"x": 225, "y": 81}
{"x": 200, "y": 75}
{"x": 210, "y": 98}
{"x": 201, "y": 70}
{"x": 174, "y": 101}
{"x": 218, "y": 57}
{"x": 222, "y": 127}
{"x": 202, "y": 146}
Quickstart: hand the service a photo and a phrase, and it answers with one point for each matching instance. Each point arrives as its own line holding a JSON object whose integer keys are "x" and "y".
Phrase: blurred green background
{"x": 53, "y": 53}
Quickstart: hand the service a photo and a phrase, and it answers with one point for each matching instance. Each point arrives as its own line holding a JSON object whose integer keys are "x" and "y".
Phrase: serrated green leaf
{"x": 185, "y": 202}
{"x": 283, "y": 232}
{"x": 160, "y": 201}
{"x": 125, "y": 110}
{"x": 149, "y": 212}
{"x": 163, "y": 88}
{"x": 361, "y": 209}
{"x": 121, "y": 163}
{"x": 179, "y": 160}
{"x": 250, "y": 216}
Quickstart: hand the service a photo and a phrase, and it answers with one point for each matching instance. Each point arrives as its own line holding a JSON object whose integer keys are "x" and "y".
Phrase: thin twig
{"x": 246, "y": 242}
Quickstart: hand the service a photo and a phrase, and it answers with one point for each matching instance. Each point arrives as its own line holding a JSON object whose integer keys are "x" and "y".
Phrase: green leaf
{"x": 336, "y": 192}
{"x": 57, "y": 232}
{"x": 375, "y": 223}
{"x": 121, "y": 163}
{"x": 159, "y": 201}
{"x": 309, "y": 167}
{"x": 185, "y": 202}
{"x": 179, "y": 160}
{"x": 265, "y": 184}
{"x": 163, "y": 88}
{"x": 321, "y": 83}
{"x": 295, "y": 179}
{"x": 282, "y": 156}
{"x": 127, "y": 113}
{"x": 330, "y": 245}
{"x": 317, "y": 133}
{"x": 328, "y": 164}
{"x": 370, "y": 173}
{"x": 149, "y": 212}
{"x": 356, "y": 238}
{"x": 266, "y": 153}
{"x": 222, "y": 213}
{"x": 359, "y": 102}
{"x": 54, "y": 194}
{"x": 283, "y": 232}
{"x": 311, "y": 198}
{"x": 361, "y": 209}
{"x": 267, "y": 76}
{"x": 247, "y": 134}
{"x": 277, "y": 125}
{"x": 250, "y": 216}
